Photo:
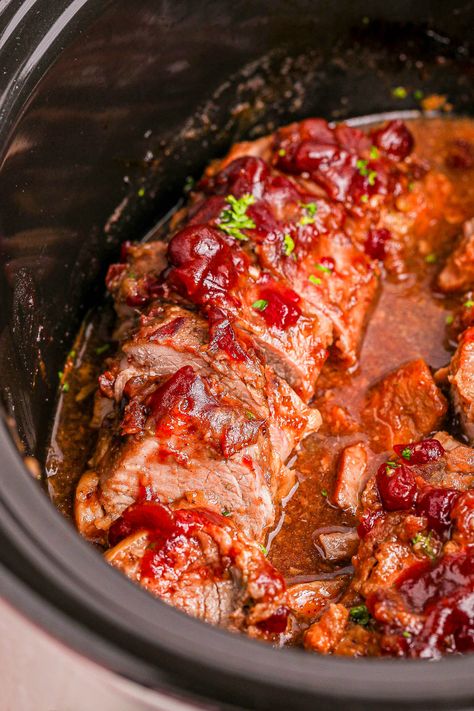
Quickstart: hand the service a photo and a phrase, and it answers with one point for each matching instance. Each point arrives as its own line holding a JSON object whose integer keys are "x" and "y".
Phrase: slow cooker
{"x": 97, "y": 98}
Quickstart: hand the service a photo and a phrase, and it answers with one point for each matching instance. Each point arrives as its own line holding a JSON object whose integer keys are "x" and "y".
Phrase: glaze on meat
{"x": 307, "y": 325}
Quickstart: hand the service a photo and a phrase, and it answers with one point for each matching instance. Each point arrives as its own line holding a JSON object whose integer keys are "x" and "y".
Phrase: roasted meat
{"x": 256, "y": 301}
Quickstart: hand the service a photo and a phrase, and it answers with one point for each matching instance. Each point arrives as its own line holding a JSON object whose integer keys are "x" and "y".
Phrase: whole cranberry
{"x": 394, "y": 139}
{"x": 367, "y": 522}
{"x": 436, "y": 504}
{"x": 428, "y": 450}
{"x": 397, "y": 487}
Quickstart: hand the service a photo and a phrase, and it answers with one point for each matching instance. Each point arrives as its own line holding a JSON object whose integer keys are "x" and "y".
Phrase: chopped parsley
{"x": 314, "y": 280}
{"x": 324, "y": 492}
{"x": 411, "y": 186}
{"x": 233, "y": 219}
{"x": 65, "y": 388}
{"x": 431, "y": 258}
{"x": 399, "y": 92}
{"x": 141, "y": 192}
{"x": 372, "y": 177}
{"x": 260, "y": 304}
{"x": 360, "y": 615}
{"x": 310, "y": 209}
{"x": 72, "y": 354}
{"x": 468, "y": 304}
{"x": 282, "y": 152}
{"x": 406, "y": 634}
{"x": 288, "y": 245}
{"x": 323, "y": 268}
{"x": 449, "y": 319}
{"x": 102, "y": 349}
{"x": 374, "y": 152}
{"x": 250, "y": 415}
{"x": 389, "y": 467}
{"x": 406, "y": 453}
{"x": 226, "y": 513}
{"x": 263, "y": 549}
{"x": 418, "y": 94}
{"x": 425, "y": 544}
{"x": 189, "y": 183}
{"x": 60, "y": 375}
{"x": 361, "y": 166}
{"x": 364, "y": 198}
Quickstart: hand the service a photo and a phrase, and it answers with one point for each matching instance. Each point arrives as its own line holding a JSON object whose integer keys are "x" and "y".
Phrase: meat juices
{"x": 258, "y": 302}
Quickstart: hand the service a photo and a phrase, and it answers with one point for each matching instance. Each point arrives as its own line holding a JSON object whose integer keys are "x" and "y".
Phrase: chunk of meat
{"x": 171, "y": 337}
{"x": 212, "y": 270}
{"x": 461, "y": 379}
{"x": 337, "y": 545}
{"x": 308, "y": 601}
{"x": 134, "y": 282}
{"x": 195, "y": 445}
{"x": 404, "y": 406}
{"x": 325, "y": 635}
{"x": 415, "y": 563}
{"x": 351, "y": 476}
{"x": 458, "y": 273}
{"x": 196, "y": 560}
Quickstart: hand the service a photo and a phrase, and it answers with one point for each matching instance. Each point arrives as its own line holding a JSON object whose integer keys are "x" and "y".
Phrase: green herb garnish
{"x": 374, "y": 152}
{"x": 449, "y": 319}
{"x": 399, "y": 92}
{"x": 322, "y": 268}
{"x": 288, "y": 244}
{"x": 406, "y": 634}
{"x": 311, "y": 209}
{"x": 227, "y": 513}
{"x": 324, "y": 492}
{"x": 65, "y": 388}
{"x": 361, "y": 166}
{"x": 360, "y": 615}
{"x": 314, "y": 280}
{"x": 189, "y": 183}
{"x": 233, "y": 219}
{"x": 260, "y": 304}
{"x": 406, "y": 453}
{"x": 102, "y": 349}
{"x": 468, "y": 304}
{"x": 141, "y": 192}
{"x": 425, "y": 543}
{"x": 250, "y": 415}
{"x": 431, "y": 258}
{"x": 418, "y": 94}
{"x": 364, "y": 198}
{"x": 372, "y": 177}
{"x": 389, "y": 467}
{"x": 263, "y": 549}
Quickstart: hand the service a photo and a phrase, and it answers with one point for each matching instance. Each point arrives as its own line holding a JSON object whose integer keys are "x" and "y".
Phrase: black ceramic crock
{"x": 96, "y": 99}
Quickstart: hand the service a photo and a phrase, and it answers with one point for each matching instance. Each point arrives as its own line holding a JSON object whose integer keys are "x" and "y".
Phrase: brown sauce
{"x": 409, "y": 321}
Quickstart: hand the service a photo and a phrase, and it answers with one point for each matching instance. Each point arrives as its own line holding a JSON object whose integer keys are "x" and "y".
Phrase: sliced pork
{"x": 198, "y": 562}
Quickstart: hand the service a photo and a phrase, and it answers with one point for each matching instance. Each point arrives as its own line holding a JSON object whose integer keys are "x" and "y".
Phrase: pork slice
{"x": 134, "y": 282}
{"x": 458, "y": 273}
{"x": 236, "y": 486}
{"x": 196, "y": 561}
{"x": 345, "y": 293}
{"x": 461, "y": 379}
{"x": 171, "y": 337}
{"x": 404, "y": 406}
{"x": 197, "y": 445}
{"x": 351, "y": 477}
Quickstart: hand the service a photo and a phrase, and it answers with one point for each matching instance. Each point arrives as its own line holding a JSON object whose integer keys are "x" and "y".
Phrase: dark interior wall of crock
{"x": 146, "y": 95}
